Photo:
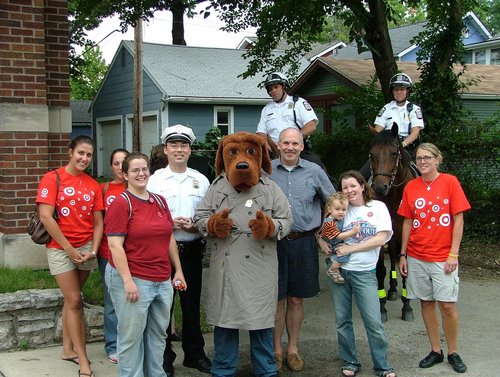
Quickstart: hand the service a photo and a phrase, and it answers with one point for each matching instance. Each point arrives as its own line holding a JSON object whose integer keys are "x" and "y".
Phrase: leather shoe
{"x": 431, "y": 359}
{"x": 203, "y": 364}
{"x": 456, "y": 362}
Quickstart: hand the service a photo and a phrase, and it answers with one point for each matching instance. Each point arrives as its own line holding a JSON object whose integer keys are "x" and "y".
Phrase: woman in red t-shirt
{"x": 433, "y": 208}
{"x": 76, "y": 236}
{"x": 110, "y": 190}
{"x": 143, "y": 252}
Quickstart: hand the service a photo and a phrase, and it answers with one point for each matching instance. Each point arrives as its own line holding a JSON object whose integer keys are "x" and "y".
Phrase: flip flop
{"x": 73, "y": 359}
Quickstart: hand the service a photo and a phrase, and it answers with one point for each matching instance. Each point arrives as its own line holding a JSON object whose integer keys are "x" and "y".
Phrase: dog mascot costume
{"x": 242, "y": 215}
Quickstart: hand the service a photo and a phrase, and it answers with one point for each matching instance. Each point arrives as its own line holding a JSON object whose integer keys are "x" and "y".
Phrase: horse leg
{"x": 382, "y": 294}
{"x": 393, "y": 278}
{"x": 406, "y": 311}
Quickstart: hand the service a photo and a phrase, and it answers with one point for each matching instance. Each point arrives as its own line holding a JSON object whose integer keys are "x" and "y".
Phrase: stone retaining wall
{"x": 32, "y": 319}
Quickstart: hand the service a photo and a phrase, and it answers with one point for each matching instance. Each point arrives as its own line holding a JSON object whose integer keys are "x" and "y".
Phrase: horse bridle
{"x": 394, "y": 170}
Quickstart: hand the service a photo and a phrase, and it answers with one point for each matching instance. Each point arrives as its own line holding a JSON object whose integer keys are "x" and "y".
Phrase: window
{"x": 480, "y": 57}
{"x": 468, "y": 57}
{"x": 224, "y": 119}
{"x": 495, "y": 57}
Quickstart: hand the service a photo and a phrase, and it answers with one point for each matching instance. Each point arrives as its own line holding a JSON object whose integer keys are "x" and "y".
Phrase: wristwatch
{"x": 401, "y": 255}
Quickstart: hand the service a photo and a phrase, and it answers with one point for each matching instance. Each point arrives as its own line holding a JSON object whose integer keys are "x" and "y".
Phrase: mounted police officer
{"x": 404, "y": 113}
{"x": 285, "y": 111}
{"x": 407, "y": 115}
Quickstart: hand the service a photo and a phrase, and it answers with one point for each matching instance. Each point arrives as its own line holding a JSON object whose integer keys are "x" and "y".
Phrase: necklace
{"x": 430, "y": 184}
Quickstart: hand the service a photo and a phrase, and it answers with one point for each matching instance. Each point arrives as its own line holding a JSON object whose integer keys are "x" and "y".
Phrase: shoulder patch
{"x": 418, "y": 113}
{"x": 381, "y": 112}
{"x": 307, "y": 106}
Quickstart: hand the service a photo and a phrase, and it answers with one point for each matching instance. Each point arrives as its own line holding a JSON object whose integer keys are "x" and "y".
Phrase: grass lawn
{"x": 12, "y": 280}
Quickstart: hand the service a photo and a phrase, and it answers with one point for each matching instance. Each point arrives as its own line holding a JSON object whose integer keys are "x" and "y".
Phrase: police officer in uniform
{"x": 405, "y": 114}
{"x": 183, "y": 188}
{"x": 284, "y": 111}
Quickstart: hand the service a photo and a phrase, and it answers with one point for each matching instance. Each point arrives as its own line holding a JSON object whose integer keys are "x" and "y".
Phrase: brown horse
{"x": 391, "y": 171}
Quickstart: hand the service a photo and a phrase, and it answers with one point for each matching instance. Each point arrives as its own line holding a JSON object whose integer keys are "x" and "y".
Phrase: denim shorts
{"x": 298, "y": 267}
{"x": 60, "y": 262}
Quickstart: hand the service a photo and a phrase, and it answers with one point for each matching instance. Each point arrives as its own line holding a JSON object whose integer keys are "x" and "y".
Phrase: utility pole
{"x": 137, "y": 120}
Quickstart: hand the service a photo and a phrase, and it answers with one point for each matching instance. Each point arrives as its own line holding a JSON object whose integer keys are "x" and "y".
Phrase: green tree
{"x": 489, "y": 13}
{"x": 300, "y": 22}
{"x": 440, "y": 56}
{"x": 91, "y": 72}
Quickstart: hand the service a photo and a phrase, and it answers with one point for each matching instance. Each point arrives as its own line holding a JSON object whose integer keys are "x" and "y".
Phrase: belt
{"x": 296, "y": 235}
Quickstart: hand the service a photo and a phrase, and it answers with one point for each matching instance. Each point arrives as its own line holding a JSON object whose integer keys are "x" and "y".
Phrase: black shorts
{"x": 298, "y": 267}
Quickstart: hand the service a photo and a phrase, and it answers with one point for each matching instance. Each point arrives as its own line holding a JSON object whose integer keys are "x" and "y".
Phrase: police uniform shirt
{"x": 183, "y": 192}
{"x": 393, "y": 113}
{"x": 276, "y": 117}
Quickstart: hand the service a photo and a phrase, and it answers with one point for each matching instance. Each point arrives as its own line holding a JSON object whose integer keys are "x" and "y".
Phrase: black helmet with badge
{"x": 276, "y": 78}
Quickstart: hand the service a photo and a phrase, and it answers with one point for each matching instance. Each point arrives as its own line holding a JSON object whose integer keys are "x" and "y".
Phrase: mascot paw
{"x": 262, "y": 226}
{"x": 219, "y": 224}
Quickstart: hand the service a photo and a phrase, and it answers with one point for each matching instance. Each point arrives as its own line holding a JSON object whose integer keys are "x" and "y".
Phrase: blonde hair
{"x": 432, "y": 149}
{"x": 339, "y": 196}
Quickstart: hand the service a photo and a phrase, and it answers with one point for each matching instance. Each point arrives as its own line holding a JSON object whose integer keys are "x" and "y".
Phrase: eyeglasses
{"x": 424, "y": 158}
{"x": 137, "y": 171}
{"x": 182, "y": 146}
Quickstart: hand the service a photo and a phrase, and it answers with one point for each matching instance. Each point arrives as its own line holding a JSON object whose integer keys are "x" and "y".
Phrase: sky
{"x": 197, "y": 32}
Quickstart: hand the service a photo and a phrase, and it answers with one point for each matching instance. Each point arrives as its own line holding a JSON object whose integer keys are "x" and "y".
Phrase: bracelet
{"x": 453, "y": 255}
{"x": 94, "y": 254}
{"x": 401, "y": 255}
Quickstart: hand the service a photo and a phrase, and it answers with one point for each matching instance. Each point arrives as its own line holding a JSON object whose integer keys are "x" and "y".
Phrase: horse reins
{"x": 394, "y": 170}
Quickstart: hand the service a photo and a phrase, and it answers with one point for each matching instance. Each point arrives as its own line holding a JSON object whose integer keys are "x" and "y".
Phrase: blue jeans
{"x": 142, "y": 325}
{"x": 363, "y": 286}
{"x": 225, "y": 360}
{"x": 110, "y": 321}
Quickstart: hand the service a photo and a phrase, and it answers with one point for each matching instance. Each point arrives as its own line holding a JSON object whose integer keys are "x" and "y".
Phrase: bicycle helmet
{"x": 400, "y": 80}
{"x": 276, "y": 78}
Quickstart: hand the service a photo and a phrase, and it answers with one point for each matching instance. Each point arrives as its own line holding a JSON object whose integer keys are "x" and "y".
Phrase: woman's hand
{"x": 180, "y": 276}
{"x": 342, "y": 250}
{"x": 75, "y": 256}
{"x": 324, "y": 246}
{"x": 450, "y": 265}
{"x": 131, "y": 291}
{"x": 403, "y": 266}
{"x": 88, "y": 256}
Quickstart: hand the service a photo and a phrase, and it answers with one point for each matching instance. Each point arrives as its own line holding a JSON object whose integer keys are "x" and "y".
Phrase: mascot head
{"x": 243, "y": 156}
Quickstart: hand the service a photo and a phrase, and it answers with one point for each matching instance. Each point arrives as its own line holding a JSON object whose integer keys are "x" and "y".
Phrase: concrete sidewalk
{"x": 479, "y": 343}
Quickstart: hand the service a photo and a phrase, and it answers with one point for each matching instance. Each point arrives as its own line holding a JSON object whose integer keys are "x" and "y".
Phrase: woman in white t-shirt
{"x": 375, "y": 226}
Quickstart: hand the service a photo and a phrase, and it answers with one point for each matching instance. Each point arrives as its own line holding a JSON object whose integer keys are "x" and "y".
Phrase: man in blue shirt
{"x": 306, "y": 186}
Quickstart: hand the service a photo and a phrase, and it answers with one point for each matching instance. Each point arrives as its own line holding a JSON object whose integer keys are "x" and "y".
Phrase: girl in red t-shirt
{"x": 143, "y": 251}
{"x": 110, "y": 190}
{"x": 76, "y": 236}
{"x": 433, "y": 207}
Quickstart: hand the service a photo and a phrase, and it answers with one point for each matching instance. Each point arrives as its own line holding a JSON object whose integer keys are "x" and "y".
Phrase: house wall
{"x": 474, "y": 34}
{"x": 35, "y": 116}
{"x": 200, "y": 117}
{"x": 481, "y": 109}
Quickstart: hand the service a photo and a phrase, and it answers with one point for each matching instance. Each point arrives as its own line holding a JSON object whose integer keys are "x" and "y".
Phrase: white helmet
{"x": 400, "y": 80}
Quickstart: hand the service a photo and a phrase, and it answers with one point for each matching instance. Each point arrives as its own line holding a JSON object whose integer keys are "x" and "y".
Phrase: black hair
{"x": 118, "y": 150}
{"x": 82, "y": 139}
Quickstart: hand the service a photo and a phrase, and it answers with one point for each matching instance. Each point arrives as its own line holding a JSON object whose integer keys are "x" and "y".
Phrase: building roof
{"x": 80, "y": 112}
{"x": 358, "y": 72}
{"x": 199, "y": 72}
{"x": 400, "y": 36}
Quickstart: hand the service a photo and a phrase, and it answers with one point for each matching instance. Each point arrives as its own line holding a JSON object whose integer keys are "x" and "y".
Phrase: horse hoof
{"x": 408, "y": 316}
{"x": 392, "y": 295}
{"x": 383, "y": 316}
